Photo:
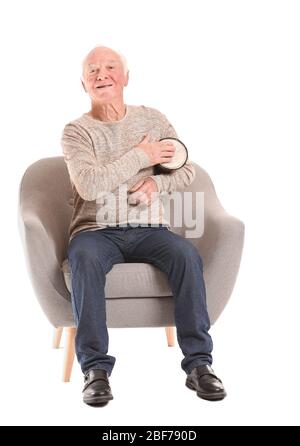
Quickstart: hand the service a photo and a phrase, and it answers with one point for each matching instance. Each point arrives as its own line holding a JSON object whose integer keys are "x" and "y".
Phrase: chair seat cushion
{"x": 130, "y": 280}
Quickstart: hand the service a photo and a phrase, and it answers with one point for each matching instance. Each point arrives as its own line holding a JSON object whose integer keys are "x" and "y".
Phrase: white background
{"x": 226, "y": 74}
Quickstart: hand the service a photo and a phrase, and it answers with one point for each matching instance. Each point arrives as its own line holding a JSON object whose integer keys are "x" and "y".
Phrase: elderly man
{"x": 110, "y": 153}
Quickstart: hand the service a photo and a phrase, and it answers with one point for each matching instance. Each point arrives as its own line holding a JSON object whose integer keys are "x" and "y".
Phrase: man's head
{"x": 104, "y": 75}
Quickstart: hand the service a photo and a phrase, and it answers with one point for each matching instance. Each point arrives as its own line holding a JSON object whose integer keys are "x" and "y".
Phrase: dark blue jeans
{"x": 91, "y": 256}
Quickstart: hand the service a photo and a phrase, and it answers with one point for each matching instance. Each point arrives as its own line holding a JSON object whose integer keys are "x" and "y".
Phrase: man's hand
{"x": 143, "y": 192}
{"x": 158, "y": 152}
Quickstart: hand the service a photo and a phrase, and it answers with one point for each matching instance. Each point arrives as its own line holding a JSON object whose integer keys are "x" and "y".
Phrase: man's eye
{"x": 110, "y": 67}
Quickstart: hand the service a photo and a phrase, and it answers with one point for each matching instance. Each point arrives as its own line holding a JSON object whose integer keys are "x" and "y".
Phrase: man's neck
{"x": 108, "y": 112}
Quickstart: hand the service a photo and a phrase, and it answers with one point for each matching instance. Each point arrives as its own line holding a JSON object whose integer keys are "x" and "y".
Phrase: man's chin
{"x": 102, "y": 99}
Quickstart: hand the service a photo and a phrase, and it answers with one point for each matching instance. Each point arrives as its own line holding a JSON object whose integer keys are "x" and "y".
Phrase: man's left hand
{"x": 143, "y": 192}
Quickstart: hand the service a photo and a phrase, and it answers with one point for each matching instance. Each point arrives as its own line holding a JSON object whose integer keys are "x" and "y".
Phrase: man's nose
{"x": 101, "y": 75}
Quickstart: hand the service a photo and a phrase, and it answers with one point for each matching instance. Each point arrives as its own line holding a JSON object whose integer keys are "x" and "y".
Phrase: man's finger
{"x": 135, "y": 197}
{"x": 137, "y": 186}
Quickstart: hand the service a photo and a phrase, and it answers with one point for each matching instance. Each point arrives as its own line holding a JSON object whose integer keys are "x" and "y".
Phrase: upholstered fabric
{"x": 130, "y": 279}
{"x": 45, "y": 210}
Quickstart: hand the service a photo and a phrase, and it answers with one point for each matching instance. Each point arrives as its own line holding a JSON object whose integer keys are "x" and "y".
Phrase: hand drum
{"x": 179, "y": 158}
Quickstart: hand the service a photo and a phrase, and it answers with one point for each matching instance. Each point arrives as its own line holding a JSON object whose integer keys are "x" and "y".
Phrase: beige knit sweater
{"x": 104, "y": 163}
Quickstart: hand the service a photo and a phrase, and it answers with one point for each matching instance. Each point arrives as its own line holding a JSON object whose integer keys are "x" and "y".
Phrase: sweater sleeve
{"x": 177, "y": 179}
{"x": 88, "y": 176}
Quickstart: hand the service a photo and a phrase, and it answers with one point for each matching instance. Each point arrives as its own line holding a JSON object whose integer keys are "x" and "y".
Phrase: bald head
{"x": 102, "y": 51}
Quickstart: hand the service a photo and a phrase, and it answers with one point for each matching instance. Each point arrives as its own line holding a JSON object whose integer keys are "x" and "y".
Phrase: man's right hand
{"x": 158, "y": 152}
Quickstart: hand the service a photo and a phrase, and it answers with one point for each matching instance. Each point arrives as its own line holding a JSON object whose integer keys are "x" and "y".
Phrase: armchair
{"x": 44, "y": 213}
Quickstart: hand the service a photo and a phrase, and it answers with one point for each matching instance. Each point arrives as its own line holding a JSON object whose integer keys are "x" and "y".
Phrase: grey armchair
{"x": 44, "y": 213}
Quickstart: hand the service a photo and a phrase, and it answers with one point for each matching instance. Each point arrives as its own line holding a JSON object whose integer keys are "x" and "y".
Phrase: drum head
{"x": 180, "y": 156}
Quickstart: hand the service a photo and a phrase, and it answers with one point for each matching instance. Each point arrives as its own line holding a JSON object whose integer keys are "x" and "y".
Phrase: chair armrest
{"x": 220, "y": 245}
{"x": 41, "y": 238}
{"x": 221, "y": 249}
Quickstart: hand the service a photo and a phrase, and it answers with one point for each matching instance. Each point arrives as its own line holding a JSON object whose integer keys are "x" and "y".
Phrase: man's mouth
{"x": 104, "y": 86}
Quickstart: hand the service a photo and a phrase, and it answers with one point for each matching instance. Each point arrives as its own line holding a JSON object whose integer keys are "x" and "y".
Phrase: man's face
{"x": 103, "y": 76}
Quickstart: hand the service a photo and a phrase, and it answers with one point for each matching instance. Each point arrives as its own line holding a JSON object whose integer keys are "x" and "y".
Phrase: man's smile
{"x": 104, "y": 86}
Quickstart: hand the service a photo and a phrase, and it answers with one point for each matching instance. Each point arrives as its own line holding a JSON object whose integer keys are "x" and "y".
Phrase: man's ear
{"x": 126, "y": 79}
{"x": 82, "y": 83}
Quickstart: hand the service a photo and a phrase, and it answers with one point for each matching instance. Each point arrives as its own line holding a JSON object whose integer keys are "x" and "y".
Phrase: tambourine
{"x": 179, "y": 158}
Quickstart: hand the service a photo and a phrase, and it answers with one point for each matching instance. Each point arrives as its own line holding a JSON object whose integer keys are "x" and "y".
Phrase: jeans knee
{"x": 190, "y": 254}
{"x": 82, "y": 255}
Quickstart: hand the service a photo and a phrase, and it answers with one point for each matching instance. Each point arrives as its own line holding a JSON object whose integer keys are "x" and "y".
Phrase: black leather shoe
{"x": 207, "y": 385}
{"x": 96, "y": 389}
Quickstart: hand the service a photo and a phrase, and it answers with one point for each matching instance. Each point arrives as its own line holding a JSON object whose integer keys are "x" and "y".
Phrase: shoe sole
{"x": 97, "y": 400}
{"x": 206, "y": 396}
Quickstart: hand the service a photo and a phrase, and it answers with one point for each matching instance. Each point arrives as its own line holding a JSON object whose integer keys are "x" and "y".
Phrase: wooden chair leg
{"x": 170, "y": 336}
{"x": 69, "y": 353}
{"x": 57, "y": 337}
